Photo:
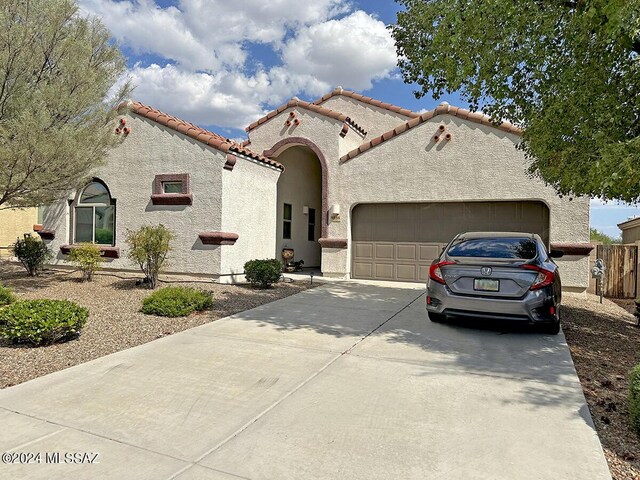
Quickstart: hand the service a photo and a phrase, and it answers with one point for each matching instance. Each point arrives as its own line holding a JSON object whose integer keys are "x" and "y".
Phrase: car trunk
{"x": 506, "y": 279}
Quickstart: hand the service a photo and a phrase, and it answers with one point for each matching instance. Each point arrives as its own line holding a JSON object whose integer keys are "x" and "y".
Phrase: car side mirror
{"x": 556, "y": 253}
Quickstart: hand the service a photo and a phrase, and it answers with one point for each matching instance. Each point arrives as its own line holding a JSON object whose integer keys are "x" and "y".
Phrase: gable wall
{"x": 480, "y": 163}
{"x": 374, "y": 120}
{"x": 151, "y": 149}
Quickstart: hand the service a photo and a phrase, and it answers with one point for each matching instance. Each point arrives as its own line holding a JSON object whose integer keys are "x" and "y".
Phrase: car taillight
{"x": 543, "y": 279}
{"x": 435, "y": 273}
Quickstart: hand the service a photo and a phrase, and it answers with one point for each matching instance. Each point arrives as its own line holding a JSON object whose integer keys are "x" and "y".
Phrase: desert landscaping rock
{"x": 115, "y": 322}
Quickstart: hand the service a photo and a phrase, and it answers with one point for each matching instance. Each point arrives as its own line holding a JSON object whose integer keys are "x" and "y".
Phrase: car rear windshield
{"x": 506, "y": 247}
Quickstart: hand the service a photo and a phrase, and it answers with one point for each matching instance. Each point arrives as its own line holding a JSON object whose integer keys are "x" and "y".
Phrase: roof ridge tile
{"x": 364, "y": 99}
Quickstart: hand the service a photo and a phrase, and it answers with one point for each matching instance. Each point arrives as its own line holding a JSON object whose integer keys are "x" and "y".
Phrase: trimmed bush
{"x": 6, "y": 296}
{"x": 634, "y": 398}
{"x": 88, "y": 257}
{"x": 148, "y": 248}
{"x": 33, "y": 254}
{"x": 42, "y": 322}
{"x": 176, "y": 302}
{"x": 263, "y": 273}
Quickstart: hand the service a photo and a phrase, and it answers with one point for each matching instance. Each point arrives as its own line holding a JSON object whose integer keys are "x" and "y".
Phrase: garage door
{"x": 399, "y": 241}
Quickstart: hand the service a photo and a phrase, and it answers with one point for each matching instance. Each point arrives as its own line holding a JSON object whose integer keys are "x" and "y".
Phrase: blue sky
{"x": 222, "y": 63}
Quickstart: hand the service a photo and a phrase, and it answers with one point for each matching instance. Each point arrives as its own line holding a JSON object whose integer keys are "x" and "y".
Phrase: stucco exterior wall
{"x": 479, "y": 163}
{"x": 299, "y": 186}
{"x": 374, "y": 120}
{"x": 14, "y": 223}
{"x": 248, "y": 209}
{"x": 149, "y": 150}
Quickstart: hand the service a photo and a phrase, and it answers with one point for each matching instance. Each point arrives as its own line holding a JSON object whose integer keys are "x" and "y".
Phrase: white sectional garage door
{"x": 399, "y": 241}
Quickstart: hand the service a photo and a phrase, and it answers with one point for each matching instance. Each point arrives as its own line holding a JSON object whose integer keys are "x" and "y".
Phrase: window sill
{"x": 107, "y": 251}
{"x": 172, "y": 199}
{"x": 218, "y": 238}
{"x": 44, "y": 233}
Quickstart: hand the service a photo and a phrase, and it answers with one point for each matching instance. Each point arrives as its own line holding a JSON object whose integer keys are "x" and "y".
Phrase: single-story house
{"x": 356, "y": 187}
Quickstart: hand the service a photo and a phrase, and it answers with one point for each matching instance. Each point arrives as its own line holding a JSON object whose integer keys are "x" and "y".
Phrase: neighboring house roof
{"x": 296, "y": 102}
{"x": 207, "y": 137}
{"x": 632, "y": 222}
{"x": 368, "y": 100}
{"x": 443, "y": 109}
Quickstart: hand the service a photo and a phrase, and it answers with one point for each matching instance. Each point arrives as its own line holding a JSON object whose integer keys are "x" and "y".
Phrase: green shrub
{"x": 32, "y": 253}
{"x": 88, "y": 257}
{"x": 634, "y": 398}
{"x": 263, "y": 273}
{"x": 104, "y": 236}
{"x": 148, "y": 247}
{"x": 176, "y": 302}
{"x": 42, "y": 322}
{"x": 6, "y": 296}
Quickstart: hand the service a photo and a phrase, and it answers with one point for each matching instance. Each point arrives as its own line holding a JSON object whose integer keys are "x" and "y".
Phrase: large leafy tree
{"x": 57, "y": 68}
{"x": 567, "y": 72}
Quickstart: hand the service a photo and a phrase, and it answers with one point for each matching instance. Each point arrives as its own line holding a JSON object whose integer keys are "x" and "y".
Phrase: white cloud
{"x": 351, "y": 51}
{"x": 209, "y": 76}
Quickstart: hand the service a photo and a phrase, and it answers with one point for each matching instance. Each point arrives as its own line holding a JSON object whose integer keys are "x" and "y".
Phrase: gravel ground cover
{"x": 605, "y": 344}
{"x": 115, "y": 322}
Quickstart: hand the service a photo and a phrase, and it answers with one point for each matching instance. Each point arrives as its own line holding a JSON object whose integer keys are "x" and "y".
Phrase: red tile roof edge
{"x": 197, "y": 133}
{"x": 295, "y": 102}
{"x": 442, "y": 109}
{"x": 369, "y": 100}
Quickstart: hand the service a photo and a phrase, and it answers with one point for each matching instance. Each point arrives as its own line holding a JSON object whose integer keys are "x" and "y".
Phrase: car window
{"x": 506, "y": 247}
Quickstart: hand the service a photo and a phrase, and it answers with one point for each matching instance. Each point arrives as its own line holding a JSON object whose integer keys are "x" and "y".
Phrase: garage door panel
{"x": 384, "y": 271}
{"x": 363, "y": 251}
{"x": 429, "y": 252}
{"x": 406, "y": 273}
{"x": 399, "y": 241}
{"x": 384, "y": 251}
{"x": 362, "y": 270}
{"x": 407, "y": 252}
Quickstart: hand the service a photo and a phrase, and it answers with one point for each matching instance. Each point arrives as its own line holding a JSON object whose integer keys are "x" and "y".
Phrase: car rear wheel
{"x": 437, "y": 317}
{"x": 552, "y": 328}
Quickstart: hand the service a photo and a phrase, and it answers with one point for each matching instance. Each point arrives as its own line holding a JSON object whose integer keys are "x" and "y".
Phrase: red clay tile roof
{"x": 369, "y": 100}
{"x": 442, "y": 109}
{"x": 295, "y": 102}
{"x": 197, "y": 133}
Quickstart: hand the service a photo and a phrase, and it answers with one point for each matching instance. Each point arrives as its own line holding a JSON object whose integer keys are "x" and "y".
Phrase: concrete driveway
{"x": 345, "y": 381}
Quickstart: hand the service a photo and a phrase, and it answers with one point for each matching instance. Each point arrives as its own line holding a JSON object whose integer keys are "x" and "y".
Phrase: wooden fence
{"x": 621, "y": 274}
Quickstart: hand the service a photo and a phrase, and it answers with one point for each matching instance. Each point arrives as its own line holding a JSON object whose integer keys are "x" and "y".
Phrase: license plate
{"x": 486, "y": 285}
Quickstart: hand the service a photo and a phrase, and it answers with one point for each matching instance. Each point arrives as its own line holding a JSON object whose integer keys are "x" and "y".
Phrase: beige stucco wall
{"x": 15, "y": 223}
{"x": 631, "y": 234}
{"x": 480, "y": 163}
{"x": 374, "y": 120}
{"x": 249, "y": 210}
{"x": 149, "y": 150}
{"x": 300, "y": 185}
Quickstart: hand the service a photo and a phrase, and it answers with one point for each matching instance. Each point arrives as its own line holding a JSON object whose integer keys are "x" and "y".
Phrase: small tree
{"x": 32, "y": 253}
{"x": 88, "y": 257}
{"x": 148, "y": 247}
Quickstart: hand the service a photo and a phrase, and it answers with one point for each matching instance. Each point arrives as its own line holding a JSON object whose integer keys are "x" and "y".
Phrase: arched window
{"x": 94, "y": 215}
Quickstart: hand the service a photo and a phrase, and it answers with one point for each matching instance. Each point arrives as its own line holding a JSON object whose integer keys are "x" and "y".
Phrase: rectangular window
{"x": 286, "y": 225}
{"x": 84, "y": 224}
{"x": 311, "y": 228}
{"x": 172, "y": 187}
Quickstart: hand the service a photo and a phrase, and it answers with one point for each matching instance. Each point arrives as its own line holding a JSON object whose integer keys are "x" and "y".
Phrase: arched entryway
{"x": 300, "y": 203}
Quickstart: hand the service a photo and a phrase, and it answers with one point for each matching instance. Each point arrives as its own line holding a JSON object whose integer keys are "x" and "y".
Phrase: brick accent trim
{"x": 172, "y": 199}
{"x": 573, "y": 248}
{"x": 333, "y": 242}
{"x": 218, "y": 238}
{"x": 230, "y": 163}
{"x": 292, "y": 141}
{"x": 44, "y": 233}
{"x": 108, "y": 252}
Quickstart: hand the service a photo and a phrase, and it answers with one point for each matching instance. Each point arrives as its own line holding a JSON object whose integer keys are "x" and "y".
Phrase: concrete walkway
{"x": 345, "y": 381}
